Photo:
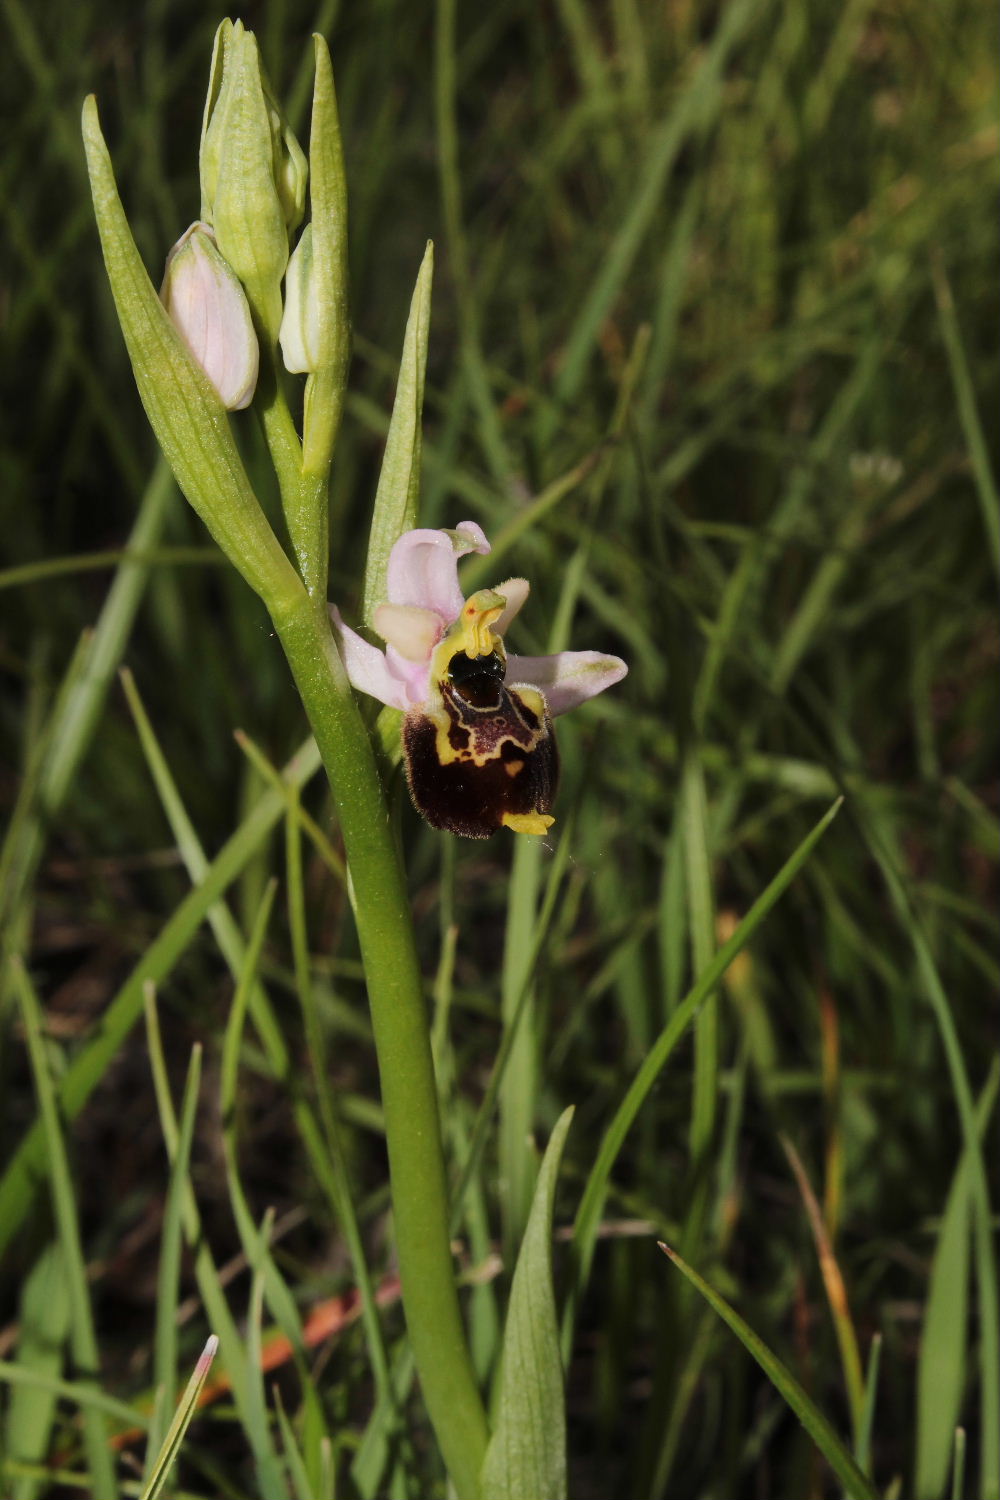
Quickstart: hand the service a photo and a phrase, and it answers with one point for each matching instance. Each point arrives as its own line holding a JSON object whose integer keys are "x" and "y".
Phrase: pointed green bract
{"x": 399, "y": 481}
{"x": 526, "y": 1458}
{"x": 184, "y": 410}
{"x": 328, "y": 290}
{"x": 211, "y": 122}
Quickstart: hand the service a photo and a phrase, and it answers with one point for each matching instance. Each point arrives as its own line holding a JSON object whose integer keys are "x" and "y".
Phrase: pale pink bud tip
{"x": 209, "y": 309}
{"x": 207, "y": 1355}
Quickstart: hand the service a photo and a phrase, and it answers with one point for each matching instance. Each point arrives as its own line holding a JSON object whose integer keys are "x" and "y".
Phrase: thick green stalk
{"x": 399, "y": 1021}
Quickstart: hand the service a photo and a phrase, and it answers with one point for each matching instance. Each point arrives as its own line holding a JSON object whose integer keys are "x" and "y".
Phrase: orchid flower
{"x": 477, "y": 734}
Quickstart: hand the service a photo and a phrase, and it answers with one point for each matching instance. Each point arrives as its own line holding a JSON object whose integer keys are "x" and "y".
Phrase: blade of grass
{"x": 446, "y": 124}
{"x": 836, "y": 1294}
{"x": 79, "y": 708}
{"x": 485, "y": 1113}
{"x": 942, "y": 1370}
{"x": 968, "y": 411}
{"x": 45, "y": 1313}
{"x": 812, "y": 1419}
{"x": 210, "y": 1286}
{"x": 168, "y": 1274}
{"x": 77, "y": 1393}
{"x": 863, "y": 1451}
{"x": 179, "y": 1426}
{"x": 331, "y": 1129}
{"x": 592, "y": 1202}
{"x": 83, "y": 1338}
{"x": 21, "y": 1176}
{"x": 874, "y": 834}
{"x": 692, "y": 111}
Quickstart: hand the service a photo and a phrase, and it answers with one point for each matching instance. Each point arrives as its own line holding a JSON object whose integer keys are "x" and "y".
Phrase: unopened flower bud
{"x": 208, "y": 306}
{"x": 253, "y": 173}
{"x": 291, "y": 168}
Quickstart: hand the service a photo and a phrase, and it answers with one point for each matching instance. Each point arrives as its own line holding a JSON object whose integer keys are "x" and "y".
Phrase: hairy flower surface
{"x": 477, "y": 735}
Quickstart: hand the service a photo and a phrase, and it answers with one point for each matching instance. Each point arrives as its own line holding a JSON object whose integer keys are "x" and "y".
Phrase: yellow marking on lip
{"x": 513, "y": 767}
{"x": 528, "y": 822}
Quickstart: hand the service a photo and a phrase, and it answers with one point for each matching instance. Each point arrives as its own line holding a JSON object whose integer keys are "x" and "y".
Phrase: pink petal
{"x": 413, "y": 631}
{"x": 367, "y": 667}
{"x": 515, "y": 591}
{"x": 413, "y": 677}
{"x": 423, "y": 569}
{"x": 568, "y": 678}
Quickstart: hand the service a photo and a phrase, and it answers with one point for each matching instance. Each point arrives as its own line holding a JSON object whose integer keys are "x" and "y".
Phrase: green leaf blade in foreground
{"x": 526, "y": 1458}
{"x": 189, "y": 421}
{"x": 812, "y": 1419}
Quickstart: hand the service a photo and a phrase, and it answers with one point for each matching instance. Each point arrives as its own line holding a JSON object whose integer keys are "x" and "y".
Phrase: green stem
{"x": 303, "y": 495}
{"x": 399, "y": 1022}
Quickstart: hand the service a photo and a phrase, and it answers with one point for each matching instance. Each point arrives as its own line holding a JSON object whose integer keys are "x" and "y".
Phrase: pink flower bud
{"x": 208, "y": 306}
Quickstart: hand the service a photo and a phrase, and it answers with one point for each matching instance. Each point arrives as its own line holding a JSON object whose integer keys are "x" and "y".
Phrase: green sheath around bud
{"x": 208, "y": 306}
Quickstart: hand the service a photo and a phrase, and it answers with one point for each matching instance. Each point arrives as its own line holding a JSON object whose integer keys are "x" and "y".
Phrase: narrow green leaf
{"x": 209, "y": 1282}
{"x": 812, "y": 1419}
{"x": 86, "y": 1396}
{"x": 864, "y": 1443}
{"x": 944, "y": 1343}
{"x": 26, "y": 1166}
{"x": 184, "y": 411}
{"x": 693, "y": 818}
{"x": 256, "y": 1247}
{"x": 526, "y": 1458}
{"x": 968, "y": 411}
{"x": 179, "y": 1426}
{"x": 878, "y": 835}
{"x": 684, "y": 118}
{"x": 168, "y": 1275}
{"x": 588, "y": 1214}
{"x": 302, "y": 1487}
{"x": 82, "y": 1335}
{"x": 69, "y": 731}
{"x": 399, "y": 481}
{"x": 44, "y": 1327}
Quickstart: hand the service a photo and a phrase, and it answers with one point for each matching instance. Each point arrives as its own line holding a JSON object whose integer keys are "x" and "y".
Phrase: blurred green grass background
{"x": 714, "y": 349}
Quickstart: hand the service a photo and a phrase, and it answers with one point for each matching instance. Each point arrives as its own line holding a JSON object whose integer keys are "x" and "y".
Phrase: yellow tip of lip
{"x": 528, "y": 822}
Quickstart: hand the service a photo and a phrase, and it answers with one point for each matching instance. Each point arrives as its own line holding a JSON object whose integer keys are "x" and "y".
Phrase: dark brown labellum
{"x": 481, "y": 755}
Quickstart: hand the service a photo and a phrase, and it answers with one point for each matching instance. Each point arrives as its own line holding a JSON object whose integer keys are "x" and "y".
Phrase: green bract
{"x": 183, "y": 406}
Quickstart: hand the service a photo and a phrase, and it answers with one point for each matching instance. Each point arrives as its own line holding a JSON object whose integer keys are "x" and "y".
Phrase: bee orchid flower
{"x": 477, "y": 734}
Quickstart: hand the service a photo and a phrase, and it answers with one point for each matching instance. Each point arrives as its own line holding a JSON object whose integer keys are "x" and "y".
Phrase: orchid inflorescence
{"x": 477, "y": 733}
